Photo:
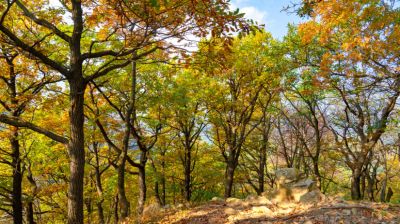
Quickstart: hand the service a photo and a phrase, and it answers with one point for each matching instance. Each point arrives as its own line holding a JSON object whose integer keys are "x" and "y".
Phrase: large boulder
{"x": 286, "y": 175}
{"x": 312, "y": 197}
{"x": 292, "y": 186}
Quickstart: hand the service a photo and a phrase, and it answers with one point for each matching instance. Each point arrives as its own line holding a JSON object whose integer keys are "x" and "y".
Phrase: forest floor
{"x": 335, "y": 211}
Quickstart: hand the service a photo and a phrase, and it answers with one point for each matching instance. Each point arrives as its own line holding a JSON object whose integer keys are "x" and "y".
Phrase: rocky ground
{"x": 295, "y": 199}
{"x": 261, "y": 210}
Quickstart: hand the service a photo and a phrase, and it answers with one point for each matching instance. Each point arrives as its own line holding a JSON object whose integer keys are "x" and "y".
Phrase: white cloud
{"x": 250, "y": 11}
{"x": 254, "y": 14}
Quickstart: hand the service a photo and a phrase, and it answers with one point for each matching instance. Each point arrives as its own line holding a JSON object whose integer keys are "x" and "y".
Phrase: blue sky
{"x": 268, "y": 12}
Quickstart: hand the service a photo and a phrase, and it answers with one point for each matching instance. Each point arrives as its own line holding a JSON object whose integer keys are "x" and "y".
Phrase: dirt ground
{"x": 238, "y": 211}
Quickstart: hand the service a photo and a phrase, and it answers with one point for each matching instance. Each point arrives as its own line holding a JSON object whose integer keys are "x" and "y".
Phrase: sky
{"x": 268, "y": 12}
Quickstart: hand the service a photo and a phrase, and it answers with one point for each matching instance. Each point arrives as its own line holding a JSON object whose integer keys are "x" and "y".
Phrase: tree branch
{"x": 17, "y": 122}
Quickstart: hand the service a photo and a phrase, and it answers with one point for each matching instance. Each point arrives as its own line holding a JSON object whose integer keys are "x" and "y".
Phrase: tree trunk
{"x": 229, "y": 173}
{"x": 261, "y": 169}
{"x": 157, "y": 193}
{"x": 99, "y": 188}
{"x": 163, "y": 182}
{"x": 187, "y": 165}
{"x": 317, "y": 173}
{"x": 17, "y": 178}
{"x": 76, "y": 152}
{"x": 123, "y": 201}
{"x": 29, "y": 212}
{"x": 383, "y": 192}
{"x": 116, "y": 202}
{"x": 142, "y": 190}
{"x": 389, "y": 194}
{"x": 100, "y": 211}
{"x": 355, "y": 185}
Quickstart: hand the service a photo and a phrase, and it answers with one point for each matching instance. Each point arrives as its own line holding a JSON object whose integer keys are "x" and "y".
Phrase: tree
{"x": 239, "y": 78}
{"x": 184, "y": 112}
{"x": 91, "y": 39}
{"x": 361, "y": 65}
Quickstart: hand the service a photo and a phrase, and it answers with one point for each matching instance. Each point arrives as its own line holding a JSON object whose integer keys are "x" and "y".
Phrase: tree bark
{"x": 124, "y": 205}
{"x": 261, "y": 168}
{"x": 355, "y": 185}
{"x": 142, "y": 190}
{"x": 76, "y": 152}
{"x": 29, "y": 213}
{"x": 17, "y": 178}
{"x": 188, "y": 168}
{"x": 229, "y": 174}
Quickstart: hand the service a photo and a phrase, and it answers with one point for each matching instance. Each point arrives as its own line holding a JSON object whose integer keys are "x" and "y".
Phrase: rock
{"x": 230, "y": 211}
{"x": 233, "y": 201}
{"x": 291, "y": 187}
{"x": 179, "y": 205}
{"x": 262, "y": 209}
{"x": 346, "y": 212}
{"x": 305, "y": 183}
{"x": 314, "y": 196}
{"x": 251, "y": 197}
{"x": 286, "y": 175}
{"x": 151, "y": 210}
{"x": 167, "y": 206}
{"x": 217, "y": 199}
{"x": 281, "y": 194}
{"x": 262, "y": 200}
{"x": 300, "y": 188}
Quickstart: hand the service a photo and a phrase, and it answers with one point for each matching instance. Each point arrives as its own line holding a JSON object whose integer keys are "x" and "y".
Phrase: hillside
{"x": 259, "y": 210}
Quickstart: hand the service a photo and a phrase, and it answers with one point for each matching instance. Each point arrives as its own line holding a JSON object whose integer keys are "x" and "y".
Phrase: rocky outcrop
{"x": 292, "y": 186}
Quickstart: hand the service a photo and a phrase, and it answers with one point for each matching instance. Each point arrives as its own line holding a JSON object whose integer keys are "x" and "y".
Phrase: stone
{"x": 300, "y": 188}
{"x": 179, "y": 206}
{"x": 262, "y": 200}
{"x": 286, "y": 175}
{"x": 262, "y": 209}
{"x": 217, "y": 199}
{"x": 281, "y": 194}
{"x": 251, "y": 197}
{"x": 233, "y": 201}
{"x": 314, "y": 196}
{"x": 151, "y": 209}
{"x": 230, "y": 211}
{"x": 292, "y": 187}
{"x": 346, "y": 212}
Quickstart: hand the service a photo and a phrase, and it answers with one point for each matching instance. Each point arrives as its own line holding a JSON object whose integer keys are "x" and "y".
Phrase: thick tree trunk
{"x": 229, "y": 174}
{"x": 17, "y": 178}
{"x": 76, "y": 152}
{"x": 355, "y": 185}
{"x": 142, "y": 190}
